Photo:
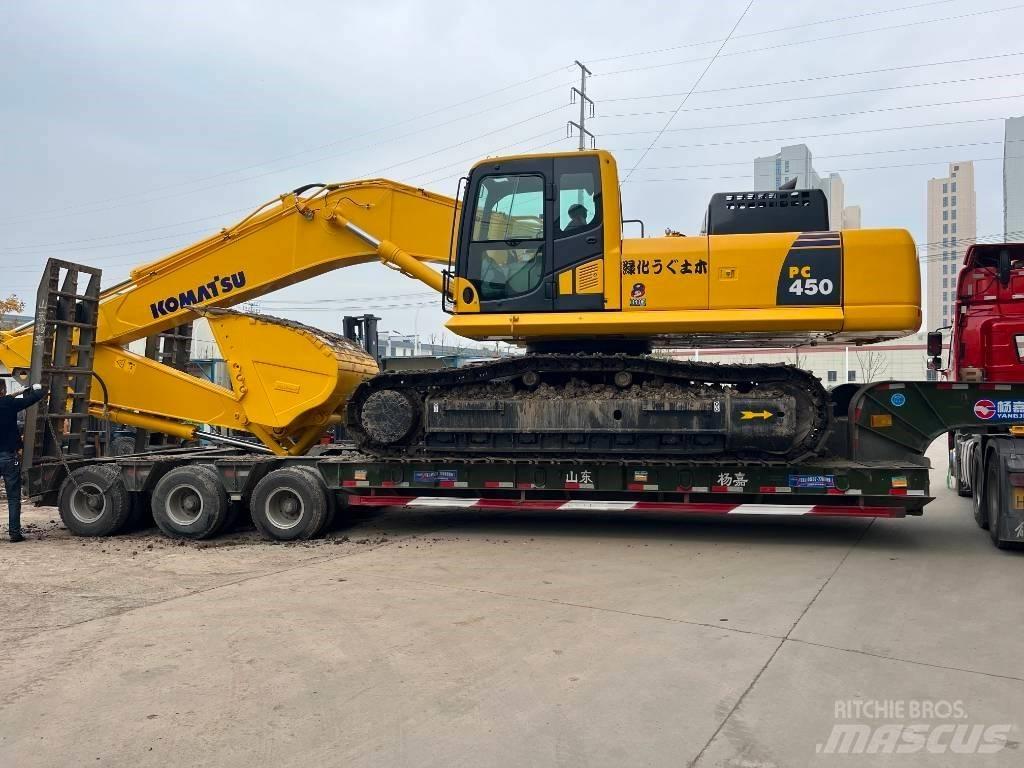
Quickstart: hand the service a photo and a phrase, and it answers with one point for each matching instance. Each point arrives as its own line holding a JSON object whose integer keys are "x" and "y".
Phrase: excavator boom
{"x": 289, "y": 382}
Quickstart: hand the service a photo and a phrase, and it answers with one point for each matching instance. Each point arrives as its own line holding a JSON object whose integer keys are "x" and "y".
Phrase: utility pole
{"x": 586, "y": 106}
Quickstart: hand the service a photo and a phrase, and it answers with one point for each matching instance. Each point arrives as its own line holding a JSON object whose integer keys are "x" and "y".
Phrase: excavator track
{"x": 593, "y": 407}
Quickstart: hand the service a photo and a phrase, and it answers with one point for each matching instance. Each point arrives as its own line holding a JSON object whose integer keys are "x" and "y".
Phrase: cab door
{"x": 578, "y": 234}
{"x": 505, "y": 243}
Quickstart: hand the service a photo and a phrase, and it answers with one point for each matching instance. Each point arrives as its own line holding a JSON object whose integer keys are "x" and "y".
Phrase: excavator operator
{"x": 577, "y": 217}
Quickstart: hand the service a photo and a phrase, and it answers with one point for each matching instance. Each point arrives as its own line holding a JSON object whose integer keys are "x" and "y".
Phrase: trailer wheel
{"x": 994, "y": 499}
{"x": 190, "y": 503}
{"x": 93, "y": 501}
{"x": 978, "y": 494}
{"x": 289, "y": 504}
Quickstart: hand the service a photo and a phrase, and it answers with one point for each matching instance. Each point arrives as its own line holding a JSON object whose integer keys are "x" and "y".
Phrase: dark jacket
{"x": 10, "y": 405}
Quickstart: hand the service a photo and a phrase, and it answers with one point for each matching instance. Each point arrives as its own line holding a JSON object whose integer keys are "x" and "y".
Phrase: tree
{"x": 11, "y": 304}
{"x": 873, "y": 364}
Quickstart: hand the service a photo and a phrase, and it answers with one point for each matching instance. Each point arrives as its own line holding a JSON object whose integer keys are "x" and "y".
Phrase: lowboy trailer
{"x": 874, "y": 466}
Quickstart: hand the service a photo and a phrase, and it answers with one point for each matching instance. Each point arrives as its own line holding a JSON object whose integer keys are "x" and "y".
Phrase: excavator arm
{"x": 288, "y": 382}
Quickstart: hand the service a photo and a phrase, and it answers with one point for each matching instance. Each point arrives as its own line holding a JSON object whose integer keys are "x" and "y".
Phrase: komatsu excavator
{"x": 535, "y": 256}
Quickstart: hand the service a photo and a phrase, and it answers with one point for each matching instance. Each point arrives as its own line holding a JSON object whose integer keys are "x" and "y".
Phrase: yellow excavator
{"x": 533, "y": 254}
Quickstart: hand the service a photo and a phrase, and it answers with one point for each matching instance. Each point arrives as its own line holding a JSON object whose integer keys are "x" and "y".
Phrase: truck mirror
{"x": 935, "y": 363}
{"x": 935, "y": 344}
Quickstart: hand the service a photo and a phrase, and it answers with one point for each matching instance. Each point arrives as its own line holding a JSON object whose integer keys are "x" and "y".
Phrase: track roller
{"x": 190, "y": 503}
{"x": 93, "y": 501}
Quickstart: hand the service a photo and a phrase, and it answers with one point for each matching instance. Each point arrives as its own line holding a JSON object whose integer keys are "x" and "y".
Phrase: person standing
{"x": 10, "y": 446}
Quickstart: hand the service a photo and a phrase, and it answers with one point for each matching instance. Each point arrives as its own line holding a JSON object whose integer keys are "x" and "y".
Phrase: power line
{"x": 130, "y": 232}
{"x": 94, "y": 247}
{"x": 376, "y": 306}
{"x": 852, "y": 113}
{"x": 247, "y": 209}
{"x": 346, "y": 299}
{"x": 815, "y": 40}
{"x": 942, "y": 124}
{"x": 837, "y": 94}
{"x": 837, "y": 170}
{"x": 328, "y": 145}
{"x": 468, "y": 161}
{"x": 182, "y": 234}
{"x": 66, "y": 214}
{"x": 654, "y": 51}
{"x": 526, "y": 151}
{"x": 687, "y": 96}
{"x": 844, "y": 154}
{"x": 815, "y": 78}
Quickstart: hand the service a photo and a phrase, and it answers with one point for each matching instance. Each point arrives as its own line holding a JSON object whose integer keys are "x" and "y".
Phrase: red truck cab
{"x": 987, "y": 334}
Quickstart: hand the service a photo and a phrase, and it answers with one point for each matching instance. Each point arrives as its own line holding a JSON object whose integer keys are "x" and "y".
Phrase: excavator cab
{"x": 528, "y": 221}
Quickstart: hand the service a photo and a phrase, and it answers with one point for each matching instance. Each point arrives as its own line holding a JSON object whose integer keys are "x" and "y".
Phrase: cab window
{"x": 506, "y": 255}
{"x": 579, "y": 201}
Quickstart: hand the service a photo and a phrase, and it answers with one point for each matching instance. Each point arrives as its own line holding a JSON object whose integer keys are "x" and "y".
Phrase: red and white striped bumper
{"x": 698, "y": 508}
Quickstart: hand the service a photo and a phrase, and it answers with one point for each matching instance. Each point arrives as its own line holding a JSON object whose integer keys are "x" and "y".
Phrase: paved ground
{"x": 462, "y": 639}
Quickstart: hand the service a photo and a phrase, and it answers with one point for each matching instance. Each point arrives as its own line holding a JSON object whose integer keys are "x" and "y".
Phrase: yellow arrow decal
{"x": 745, "y": 415}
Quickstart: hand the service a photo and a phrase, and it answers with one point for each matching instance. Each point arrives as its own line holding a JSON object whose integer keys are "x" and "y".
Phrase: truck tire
{"x": 994, "y": 500}
{"x": 93, "y": 501}
{"x": 121, "y": 446}
{"x": 289, "y": 504}
{"x": 978, "y": 494}
{"x": 332, "y": 506}
{"x": 190, "y": 503}
{"x": 963, "y": 489}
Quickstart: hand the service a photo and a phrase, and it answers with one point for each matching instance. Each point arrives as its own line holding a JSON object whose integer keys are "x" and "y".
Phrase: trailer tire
{"x": 190, "y": 503}
{"x": 978, "y": 494}
{"x": 93, "y": 501}
{"x": 994, "y": 500}
{"x": 332, "y": 506}
{"x": 289, "y": 504}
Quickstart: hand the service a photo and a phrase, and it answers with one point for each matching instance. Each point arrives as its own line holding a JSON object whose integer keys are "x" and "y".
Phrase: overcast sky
{"x": 131, "y": 129}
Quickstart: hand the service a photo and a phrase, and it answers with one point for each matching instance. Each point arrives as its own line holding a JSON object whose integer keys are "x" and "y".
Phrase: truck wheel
{"x": 190, "y": 503}
{"x": 978, "y": 496}
{"x": 93, "y": 501}
{"x": 332, "y": 506}
{"x": 121, "y": 446}
{"x": 289, "y": 504}
{"x": 994, "y": 499}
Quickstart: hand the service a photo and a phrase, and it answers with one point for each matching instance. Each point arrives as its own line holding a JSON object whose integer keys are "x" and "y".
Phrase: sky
{"x": 129, "y": 130}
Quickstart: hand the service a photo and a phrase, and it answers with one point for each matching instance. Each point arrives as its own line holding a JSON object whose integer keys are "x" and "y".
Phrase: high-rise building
{"x": 795, "y": 162}
{"x": 952, "y": 226}
{"x": 1013, "y": 180}
{"x": 835, "y": 191}
{"x": 851, "y": 217}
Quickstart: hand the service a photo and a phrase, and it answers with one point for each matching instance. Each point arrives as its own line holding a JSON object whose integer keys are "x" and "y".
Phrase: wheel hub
{"x": 87, "y": 504}
{"x": 284, "y": 509}
{"x": 184, "y": 505}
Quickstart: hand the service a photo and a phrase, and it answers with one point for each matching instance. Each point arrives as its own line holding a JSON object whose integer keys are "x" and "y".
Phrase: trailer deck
{"x": 838, "y": 487}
